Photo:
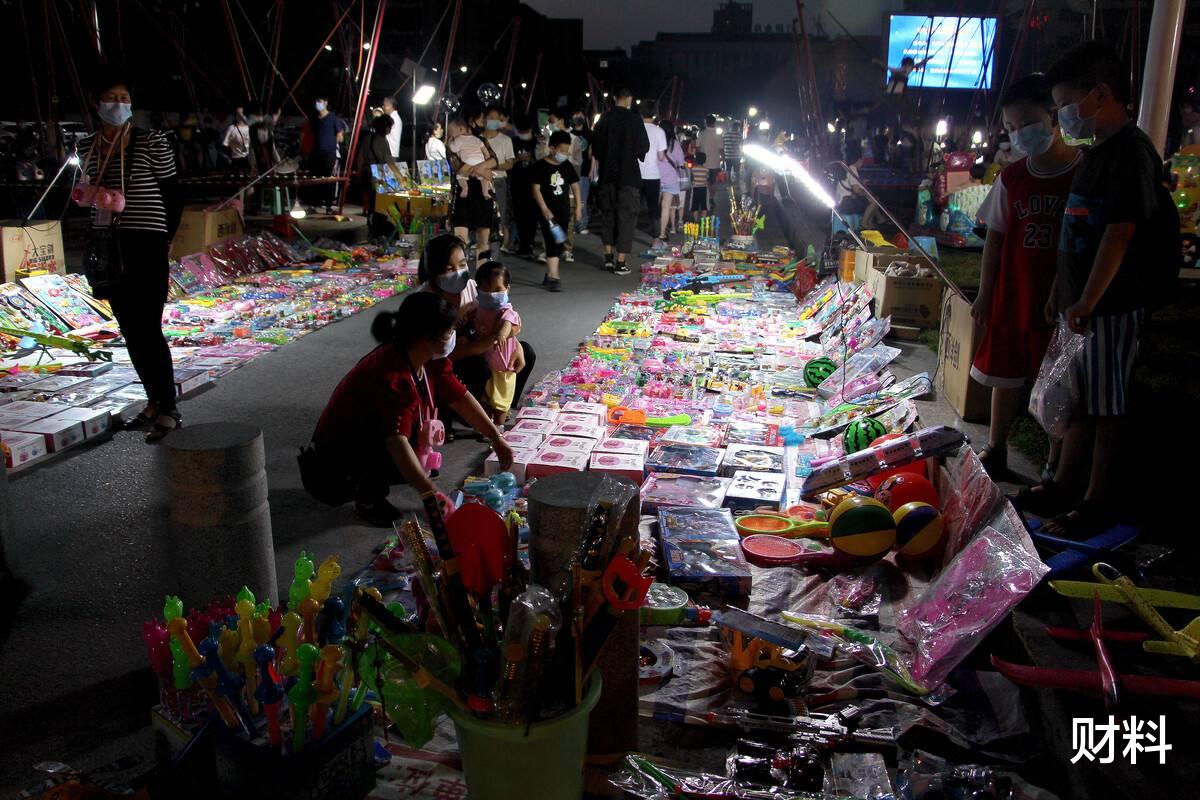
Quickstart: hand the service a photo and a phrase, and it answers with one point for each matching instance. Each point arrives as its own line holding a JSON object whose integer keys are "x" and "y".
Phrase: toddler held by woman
{"x": 496, "y": 318}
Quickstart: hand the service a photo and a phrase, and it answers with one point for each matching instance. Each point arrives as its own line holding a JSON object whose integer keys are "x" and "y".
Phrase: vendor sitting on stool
{"x": 380, "y": 427}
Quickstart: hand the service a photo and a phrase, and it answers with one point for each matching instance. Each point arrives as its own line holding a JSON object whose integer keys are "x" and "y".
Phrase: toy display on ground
{"x": 64, "y": 371}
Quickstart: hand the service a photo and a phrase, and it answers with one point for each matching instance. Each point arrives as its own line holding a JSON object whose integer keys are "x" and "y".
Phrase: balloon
{"x": 488, "y": 94}
{"x": 450, "y": 103}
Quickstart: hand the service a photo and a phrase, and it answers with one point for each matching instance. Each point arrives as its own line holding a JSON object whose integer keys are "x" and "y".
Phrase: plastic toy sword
{"x": 268, "y": 693}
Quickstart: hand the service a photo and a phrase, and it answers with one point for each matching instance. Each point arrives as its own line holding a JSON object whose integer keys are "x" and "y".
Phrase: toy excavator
{"x": 1106, "y": 681}
{"x": 770, "y": 661}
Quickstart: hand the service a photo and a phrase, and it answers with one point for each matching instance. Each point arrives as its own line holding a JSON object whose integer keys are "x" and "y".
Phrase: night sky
{"x": 621, "y": 23}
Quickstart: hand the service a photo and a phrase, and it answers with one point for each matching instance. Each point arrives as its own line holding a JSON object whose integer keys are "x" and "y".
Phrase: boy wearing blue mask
{"x": 554, "y": 182}
{"x": 1109, "y": 258}
{"x": 1023, "y": 213}
{"x": 497, "y": 320}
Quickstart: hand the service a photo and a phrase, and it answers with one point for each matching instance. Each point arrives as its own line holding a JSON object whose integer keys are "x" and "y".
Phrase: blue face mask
{"x": 320, "y": 106}
{"x": 494, "y": 124}
{"x": 1032, "y": 140}
{"x": 1077, "y": 129}
{"x": 493, "y": 300}
{"x": 453, "y": 282}
{"x": 115, "y": 113}
{"x": 560, "y": 157}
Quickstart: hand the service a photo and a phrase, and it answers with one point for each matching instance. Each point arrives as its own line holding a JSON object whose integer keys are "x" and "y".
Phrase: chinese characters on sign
{"x": 1097, "y": 741}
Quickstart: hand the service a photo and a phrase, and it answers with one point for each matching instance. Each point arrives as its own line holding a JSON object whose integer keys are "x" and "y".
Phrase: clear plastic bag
{"x": 1055, "y": 396}
{"x": 993, "y": 573}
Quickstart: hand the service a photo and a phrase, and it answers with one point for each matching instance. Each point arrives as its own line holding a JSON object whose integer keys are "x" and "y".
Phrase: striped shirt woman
{"x": 149, "y": 159}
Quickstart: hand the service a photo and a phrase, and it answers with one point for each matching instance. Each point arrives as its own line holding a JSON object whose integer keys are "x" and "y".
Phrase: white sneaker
{"x": 541, "y": 257}
{"x": 659, "y": 244}
{"x": 583, "y": 231}
{"x": 568, "y": 255}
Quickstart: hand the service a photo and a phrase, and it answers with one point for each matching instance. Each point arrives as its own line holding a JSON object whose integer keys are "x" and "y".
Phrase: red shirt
{"x": 1027, "y": 208}
{"x": 380, "y": 398}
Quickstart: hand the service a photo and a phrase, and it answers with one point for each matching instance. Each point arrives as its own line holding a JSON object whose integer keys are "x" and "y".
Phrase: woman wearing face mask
{"x": 126, "y": 176}
{"x": 380, "y": 427}
{"x": 443, "y": 271}
{"x": 473, "y": 161}
{"x": 1023, "y": 214}
{"x": 435, "y": 148}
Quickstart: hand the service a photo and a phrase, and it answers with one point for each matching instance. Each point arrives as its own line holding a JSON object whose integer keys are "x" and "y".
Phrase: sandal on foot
{"x": 1045, "y": 499}
{"x": 994, "y": 459}
{"x": 161, "y": 430}
{"x": 141, "y": 420}
{"x": 1088, "y": 519}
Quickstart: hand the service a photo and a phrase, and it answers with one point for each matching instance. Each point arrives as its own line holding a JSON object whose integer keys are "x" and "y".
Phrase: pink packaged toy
{"x": 578, "y": 444}
{"x": 627, "y": 465}
{"x": 636, "y": 447}
{"x": 536, "y": 426}
{"x": 549, "y": 462}
{"x": 538, "y": 412}
{"x": 584, "y": 430}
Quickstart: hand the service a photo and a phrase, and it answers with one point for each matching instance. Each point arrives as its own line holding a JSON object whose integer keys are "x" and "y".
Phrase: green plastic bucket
{"x": 543, "y": 760}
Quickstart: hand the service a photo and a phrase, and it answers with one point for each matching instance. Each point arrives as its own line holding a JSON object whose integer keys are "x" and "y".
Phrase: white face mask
{"x": 115, "y": 113}
{"x": 446, "y": 345}
{"x": 453, "y": 282}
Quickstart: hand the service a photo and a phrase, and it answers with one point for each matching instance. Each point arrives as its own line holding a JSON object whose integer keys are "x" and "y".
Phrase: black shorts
{"x": 476, "y": 210}
{"x": 553, "y": 248}
{"x": 699, "y": 198}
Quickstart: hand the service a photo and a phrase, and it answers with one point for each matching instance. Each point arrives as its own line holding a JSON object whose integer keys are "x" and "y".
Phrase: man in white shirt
{"x": 389, "y": 108}
{"x": 709, "y": 142}
{"x": 502, "y": 146}
{"x": 648, "y": 164}
{"x": 237, "y": 141}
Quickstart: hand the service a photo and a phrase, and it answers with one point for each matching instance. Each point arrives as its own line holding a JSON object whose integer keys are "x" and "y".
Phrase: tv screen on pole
{"x": 957, "y": 47}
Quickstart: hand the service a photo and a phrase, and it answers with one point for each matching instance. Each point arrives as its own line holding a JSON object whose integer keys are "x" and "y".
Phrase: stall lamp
{"x": 73, "y": 160}
{"x": 595, "y": 120}
{"x": 524, "y": 85}
{"x": 463, "y": 68}
{"x": 604, "y": 95}
{"x": 423, "y": 95}
{"x": 764, "y": 125}
{"x": 977, "y": 137}
{"x": 587, "y": 94}
{"x": 297, "y": 211}
{"x": 943, "y": 127}
{"x": 434, "y": 69}
{"x": 366, "y": 45}
{"x": 789, "y": 166}
{"x": 720, "y": 131}
{"x": 329, "y": 48}
{"x": 829, "y": 127}
{"x": 752, "y": 111}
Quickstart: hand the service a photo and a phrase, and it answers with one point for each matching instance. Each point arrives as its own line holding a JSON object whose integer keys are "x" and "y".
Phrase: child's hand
{"x": 1078, "y": 316}
{"x": 519, "y": 359}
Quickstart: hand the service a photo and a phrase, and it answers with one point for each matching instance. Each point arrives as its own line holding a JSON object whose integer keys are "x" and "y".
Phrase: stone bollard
{"x": 6, "y": 525}
{"x": 220, "y": 520}
{"x": 557, "y": 515}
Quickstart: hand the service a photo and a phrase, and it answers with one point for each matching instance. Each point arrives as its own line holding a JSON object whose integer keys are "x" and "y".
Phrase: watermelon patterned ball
{"x": 817, "y": 370}
{"x": 861, "y": 432}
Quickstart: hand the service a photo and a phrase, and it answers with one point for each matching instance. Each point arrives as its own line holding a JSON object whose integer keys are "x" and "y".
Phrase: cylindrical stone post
{"x": 558, "y": 507}
{"x": 220, "y": 520}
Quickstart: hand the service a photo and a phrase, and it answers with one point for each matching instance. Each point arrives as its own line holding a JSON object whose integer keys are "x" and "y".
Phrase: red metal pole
{"x": 537, "y": 69}
{"x": 512, "y": 55}
{"x": 238, "y": 55}
{"x": 815, "y": 112}
{"x": 360, "y": 111}
{"x": 449, "y": 48}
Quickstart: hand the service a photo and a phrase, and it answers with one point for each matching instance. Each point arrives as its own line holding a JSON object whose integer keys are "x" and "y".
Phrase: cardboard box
{"x": 582, "y": 429}
{"x": 539, "y": 427}
{"x": 751, "y": 490}
{"x": 189, "y": 380}
{"x": 597, "y": 410}
{"x": 96, "y": 421}
{"x": 20, "y": 412}
{"x": 58, "y": 433}
{"x": 865, "y": 259}
{"x": 521, "y": 458}
{"x": 30, "y": 247}
{"x": 537, "y": 412}
{"x": 958, "y": 342}
{"x": 523, "y": 441}
{"x": 627, "y": 465}
{"x": 199, "y": 228}
{"x": 86, "y": 369}
{"x": 117, "y": 407}
{"x": 21, "y": 449}
{"x": 576, "y": 443}
{"x": 636, "y": 447}
{"x": 589, "y": 420}
{"x": 908, "y": 301}
{"x": 549, "y": 461}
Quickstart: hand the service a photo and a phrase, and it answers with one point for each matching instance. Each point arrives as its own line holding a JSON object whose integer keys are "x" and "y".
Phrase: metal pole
{"x": 911, "y": 240}
{"x": 449, "y": 48}
{"x": 360, "y": 111}
{"x": 1162, "y": 56}
{"x": 512, "y": 55}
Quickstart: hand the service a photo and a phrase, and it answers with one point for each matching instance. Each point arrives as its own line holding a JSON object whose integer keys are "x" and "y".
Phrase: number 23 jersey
{"x": 1027, "y": 207}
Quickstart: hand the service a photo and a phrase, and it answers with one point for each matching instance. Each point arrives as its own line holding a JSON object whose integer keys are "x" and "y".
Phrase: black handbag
{"x": 102, "y": 263}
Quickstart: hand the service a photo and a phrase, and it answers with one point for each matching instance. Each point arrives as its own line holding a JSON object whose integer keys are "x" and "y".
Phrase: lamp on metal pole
{"x": 421, "y": 97}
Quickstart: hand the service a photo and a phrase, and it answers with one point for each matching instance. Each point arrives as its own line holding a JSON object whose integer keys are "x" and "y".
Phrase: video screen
{"x": 931, "y": 43}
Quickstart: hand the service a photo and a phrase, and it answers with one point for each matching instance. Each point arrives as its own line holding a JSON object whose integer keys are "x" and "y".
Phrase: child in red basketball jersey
{"x": 1023, "y": 215}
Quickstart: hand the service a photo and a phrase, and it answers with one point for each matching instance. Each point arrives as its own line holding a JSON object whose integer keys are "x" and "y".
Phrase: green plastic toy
{"x": 298, "y": 591}
{"x": 304, "y": 693}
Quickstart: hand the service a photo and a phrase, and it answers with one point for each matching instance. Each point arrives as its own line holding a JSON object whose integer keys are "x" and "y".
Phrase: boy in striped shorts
{"x": 1101, "y": 282}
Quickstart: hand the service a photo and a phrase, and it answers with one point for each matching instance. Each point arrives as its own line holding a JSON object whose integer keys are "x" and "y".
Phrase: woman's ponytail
{"x": 422, "y": 315}
{"x": 383, "y": 327}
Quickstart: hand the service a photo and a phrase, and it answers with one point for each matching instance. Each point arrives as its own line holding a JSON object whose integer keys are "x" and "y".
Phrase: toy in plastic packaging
{"x": 1055, "y": 396}
{"x": 666, "y": 489}
{"x": 754, "y": 458}
{"x": 685, "y": 459}
{"x": 702, "y": 551}
{"x": 862, "y": 647}
{"x": 699, "y": 435}
{"x": 862, "y": 775}
{"x": 993, "y": 573}
{"x": 936, "y": 441}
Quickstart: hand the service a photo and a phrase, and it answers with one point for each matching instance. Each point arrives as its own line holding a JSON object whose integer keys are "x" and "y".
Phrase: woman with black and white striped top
{"x": 138, "y": 163}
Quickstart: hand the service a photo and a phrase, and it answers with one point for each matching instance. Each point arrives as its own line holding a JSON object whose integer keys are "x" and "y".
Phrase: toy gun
{"x": 77, "y": 346}
{"x": 334, "y": 255}
{"x": 824, "y": 730}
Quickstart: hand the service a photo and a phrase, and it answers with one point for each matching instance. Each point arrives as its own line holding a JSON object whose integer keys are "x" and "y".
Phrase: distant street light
{"x": 421, "y": 97}
{"x": 943, "y": 127}
{"x": 366, "y": 45}
{"x": 752, "y": 111}
{"x": 977, "y": 137}
{"x": 463, "y": 68}
{"x": 764, "y": 125}
{"x": 829, "y": 127}
{"x": 720, "y": 131}
{"x": 329, "y": 47}
{"x": 524, "y": 85}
